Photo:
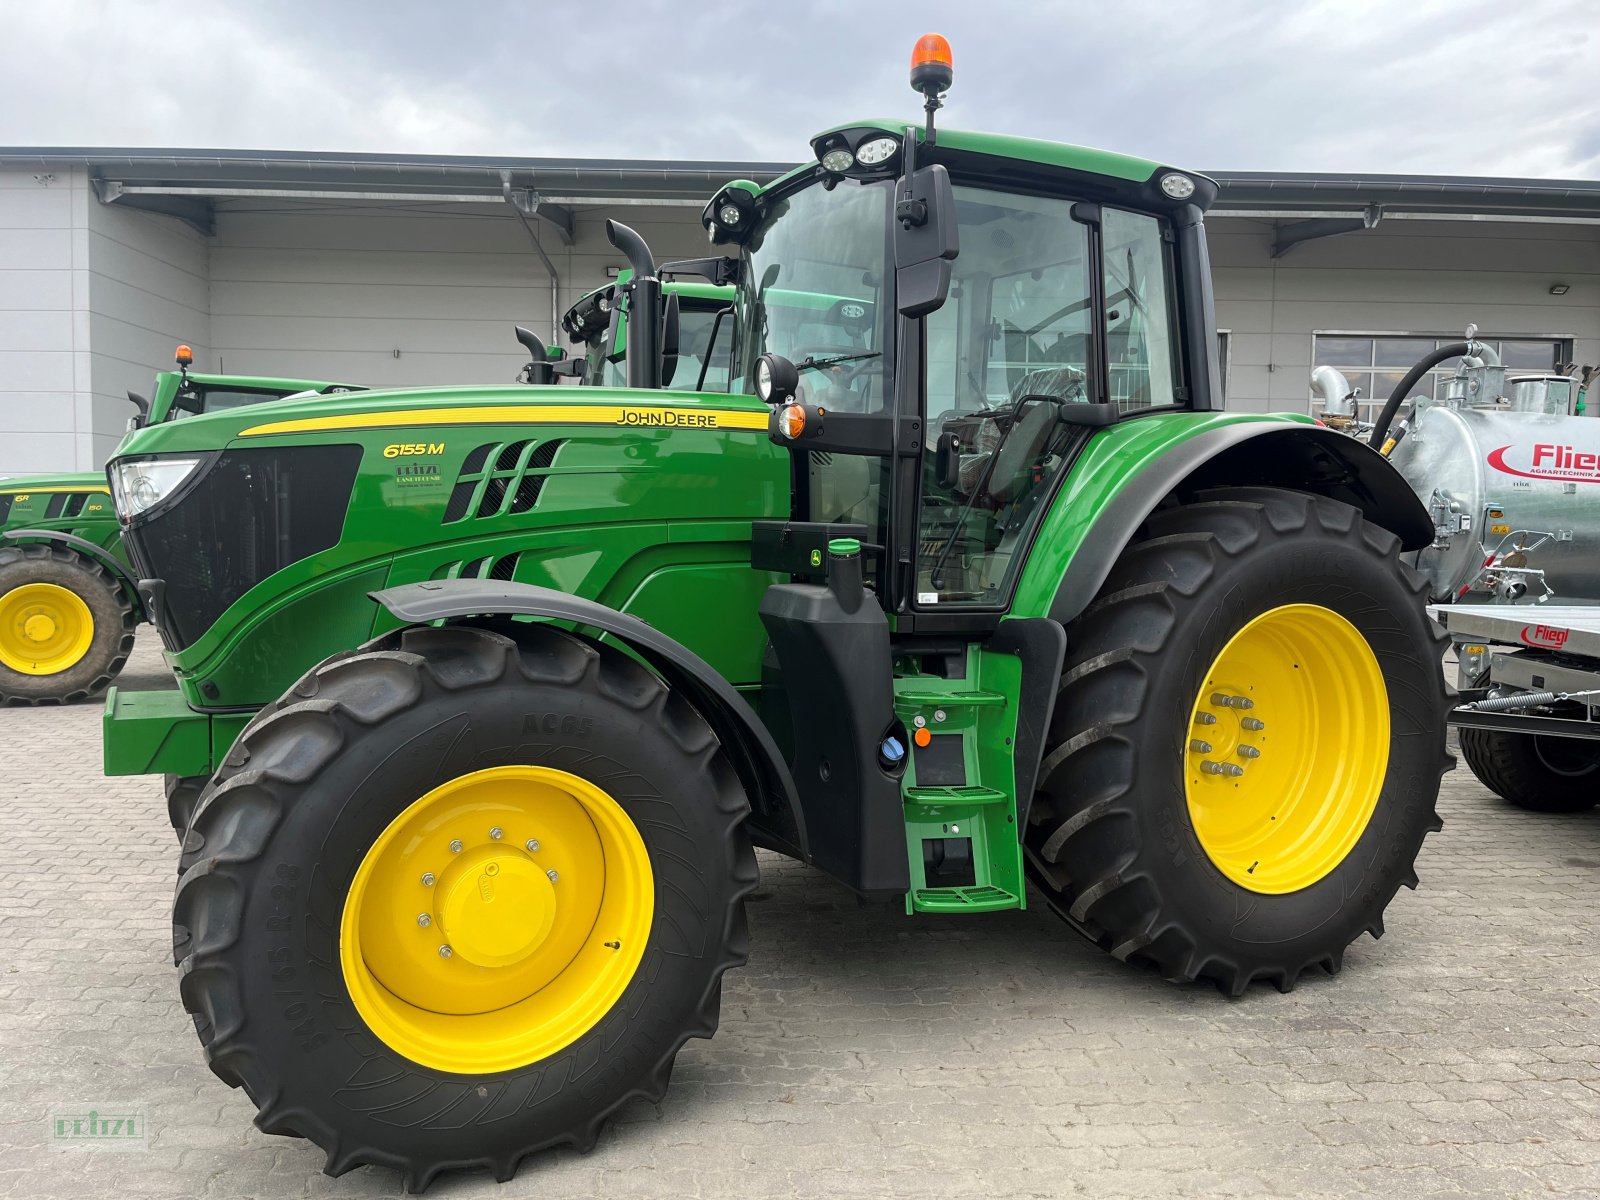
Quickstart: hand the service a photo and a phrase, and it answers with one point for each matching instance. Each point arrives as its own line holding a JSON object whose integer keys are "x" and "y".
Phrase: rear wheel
{"x": 183, "y": 796}
{"x": 463, "y": 900}
{"x": 66, "y": 629}
{"x": 1541, "y": 774}
{"x": 1247, "y": 745}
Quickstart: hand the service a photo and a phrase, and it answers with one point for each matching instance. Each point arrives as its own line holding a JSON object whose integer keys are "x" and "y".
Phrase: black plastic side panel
{"x": 839, "y": 683}
{"x": 1302, "y": 458}
{"x": 798, "y": 547}
{"x": 776, "y": 819}
{"x": 1041, "y": 644}
{"x": 88, "y": 549}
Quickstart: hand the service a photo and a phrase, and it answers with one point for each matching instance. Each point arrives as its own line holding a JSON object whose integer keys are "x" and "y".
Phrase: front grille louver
{"x": 519, "y": 472}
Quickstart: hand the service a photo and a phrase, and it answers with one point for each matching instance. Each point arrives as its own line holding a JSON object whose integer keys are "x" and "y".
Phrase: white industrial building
{"x": 395, "y": 270}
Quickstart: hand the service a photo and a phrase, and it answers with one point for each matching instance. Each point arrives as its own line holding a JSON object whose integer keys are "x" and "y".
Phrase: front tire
{"x": 345, "y": 817}
{"x": 66, "y": 629}
{"x": 1246, "y": 749}
{"x": 1540, "y": 774}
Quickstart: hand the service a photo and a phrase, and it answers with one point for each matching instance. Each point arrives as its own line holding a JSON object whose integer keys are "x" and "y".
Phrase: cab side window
{"x": 1141, "y": 343}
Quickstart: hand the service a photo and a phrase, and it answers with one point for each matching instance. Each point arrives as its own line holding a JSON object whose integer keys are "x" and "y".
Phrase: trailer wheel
{"x": 1247, "y": 745}
{"x": 463, "y": 900}
{"x": 66, "y": 629}
{"x": 1540, "y": 774}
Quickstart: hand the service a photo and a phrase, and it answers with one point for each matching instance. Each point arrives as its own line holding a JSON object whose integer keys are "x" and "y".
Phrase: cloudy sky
{"x": 1455, "y": 86}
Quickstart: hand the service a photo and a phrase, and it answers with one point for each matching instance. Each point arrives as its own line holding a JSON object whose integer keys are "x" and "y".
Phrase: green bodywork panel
{"x": 1112, "y": 458}
{"x": 646, "y": 507}
{"x": 159, "y": 734}
{"x": 1085, "y": 159}
{"x": 25, "y": 503}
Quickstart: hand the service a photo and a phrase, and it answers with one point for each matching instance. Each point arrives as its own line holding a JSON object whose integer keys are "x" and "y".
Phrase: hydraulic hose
{"x": 1398, "y": 397}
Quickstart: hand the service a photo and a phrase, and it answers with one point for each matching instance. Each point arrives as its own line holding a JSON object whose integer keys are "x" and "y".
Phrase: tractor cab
{"x": 178, "y": 394}
{"x": 700, "y": 354}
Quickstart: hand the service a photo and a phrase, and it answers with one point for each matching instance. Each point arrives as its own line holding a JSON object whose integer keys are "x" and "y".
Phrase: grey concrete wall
{"x": 44, "y": 333}
{"x": 1403, "y": 276}
{"x": 388, "y": 295}
{"x": 149, "y": 290}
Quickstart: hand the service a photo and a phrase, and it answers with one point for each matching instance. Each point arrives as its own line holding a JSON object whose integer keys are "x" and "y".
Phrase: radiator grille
{"x": 252, "y": 513}
{"x": 500, "y": 478}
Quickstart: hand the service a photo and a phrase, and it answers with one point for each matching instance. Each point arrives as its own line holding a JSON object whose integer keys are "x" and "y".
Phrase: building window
{"x": 1377, "y": 362}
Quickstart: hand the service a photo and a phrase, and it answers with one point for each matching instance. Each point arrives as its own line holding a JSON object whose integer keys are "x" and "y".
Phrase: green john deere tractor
{"x": 967, "y": 583}
{"x": 68, "y": 606}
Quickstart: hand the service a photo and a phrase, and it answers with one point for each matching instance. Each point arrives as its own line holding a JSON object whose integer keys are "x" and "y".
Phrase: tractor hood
{"x": 266, "y": 528}
{"x": 434, "y": 409}
{"x": 53, "y": 483}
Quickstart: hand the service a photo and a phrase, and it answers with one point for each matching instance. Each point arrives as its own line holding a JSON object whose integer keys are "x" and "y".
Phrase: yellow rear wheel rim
{"x": 44, "y": 629}
{"x": 1288, "y": 746}
{"x": 497, "y": 919}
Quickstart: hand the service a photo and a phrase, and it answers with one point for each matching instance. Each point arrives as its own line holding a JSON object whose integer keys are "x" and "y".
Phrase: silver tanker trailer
{"x": 1511, "y": 477}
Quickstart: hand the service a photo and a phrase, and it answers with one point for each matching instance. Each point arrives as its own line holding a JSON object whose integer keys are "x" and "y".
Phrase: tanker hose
{"x": 1403, "y": 389}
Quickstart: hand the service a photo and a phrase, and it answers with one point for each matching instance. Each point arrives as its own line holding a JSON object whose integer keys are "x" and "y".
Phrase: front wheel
{"x": 65, "y": 628}
{"x": 1540, "y": 774}
{"x": 462, "y": 900}
{"x": 1246, "y": 749}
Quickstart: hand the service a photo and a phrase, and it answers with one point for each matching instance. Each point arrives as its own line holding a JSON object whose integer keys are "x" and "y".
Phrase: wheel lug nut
{"x": 1253, "y": 724}
{"x": 1205, "y": 718}
{"x": 445, "y": 952}
{"x": 424, "y": 920}
{"x": 455, "y": 846}
{"x": 532, "y": 845}
{"x": 1222, "y": 768}
{"x": 497, "y": 833}
{"x": 1249, "y": 752}
{"x": 552, "y": 873}
{"x": 1200, "y": 747}
{"x": 427, "y": 879}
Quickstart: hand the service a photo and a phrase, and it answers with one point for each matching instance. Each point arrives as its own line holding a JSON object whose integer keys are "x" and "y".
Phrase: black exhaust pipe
{"x": 644, "y": 308}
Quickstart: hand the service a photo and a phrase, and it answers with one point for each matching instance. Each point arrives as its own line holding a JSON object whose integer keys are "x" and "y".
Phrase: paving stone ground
{"x": 864, "y": 1053}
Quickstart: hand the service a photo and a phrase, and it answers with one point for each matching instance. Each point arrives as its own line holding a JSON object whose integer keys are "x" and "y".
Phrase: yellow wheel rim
{"x": 44, "y": 629}
{"x": 1288, "y": 746}
{"x": 497, "y": 919}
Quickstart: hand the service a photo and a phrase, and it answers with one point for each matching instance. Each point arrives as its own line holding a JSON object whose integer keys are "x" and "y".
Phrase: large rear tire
{"x": 446, "y": 771}
{"x": 1540, "y": 774}
{"x": 66, "y": 629}
{"x": 1247, "y": 745}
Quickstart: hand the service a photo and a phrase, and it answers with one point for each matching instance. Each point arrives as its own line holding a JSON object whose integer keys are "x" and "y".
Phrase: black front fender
{"x": 104, "y": 558}
{"x": 776, "y": 819}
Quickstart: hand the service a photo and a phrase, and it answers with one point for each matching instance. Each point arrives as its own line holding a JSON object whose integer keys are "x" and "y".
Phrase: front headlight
{"x": 139, "y": 486}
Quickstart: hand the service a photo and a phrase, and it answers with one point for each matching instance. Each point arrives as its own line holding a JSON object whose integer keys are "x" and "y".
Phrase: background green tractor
{"x": 68, "y": 606}
{"x": 980, "y": 586}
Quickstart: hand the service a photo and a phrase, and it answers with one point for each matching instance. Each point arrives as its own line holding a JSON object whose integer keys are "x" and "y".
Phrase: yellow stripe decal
{"x": 645, "y": 416}
{"x": 28, "y": 491}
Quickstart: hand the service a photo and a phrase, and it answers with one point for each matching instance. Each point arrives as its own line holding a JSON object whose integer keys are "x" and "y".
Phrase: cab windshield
{"x": 816, "y": 288}
{"x": 813, "y": 290}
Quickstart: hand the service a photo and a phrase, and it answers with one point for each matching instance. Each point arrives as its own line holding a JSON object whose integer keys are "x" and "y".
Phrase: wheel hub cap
{"x": 495, "y": 909}
{"x": 1287, "y": 748}
{"x": 44, "y": 629}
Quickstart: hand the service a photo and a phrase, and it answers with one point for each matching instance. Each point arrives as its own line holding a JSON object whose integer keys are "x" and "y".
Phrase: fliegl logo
{"x": 1547, "y": 460}
{"x": 1544, "y": 635}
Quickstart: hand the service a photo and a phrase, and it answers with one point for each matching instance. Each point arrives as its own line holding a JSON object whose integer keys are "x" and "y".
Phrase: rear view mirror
{"x": 1093, "y": 416}
{"x": 925, "y": 240}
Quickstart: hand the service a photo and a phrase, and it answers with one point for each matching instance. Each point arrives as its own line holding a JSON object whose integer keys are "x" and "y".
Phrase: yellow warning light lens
{"x": 184, "y": 357}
